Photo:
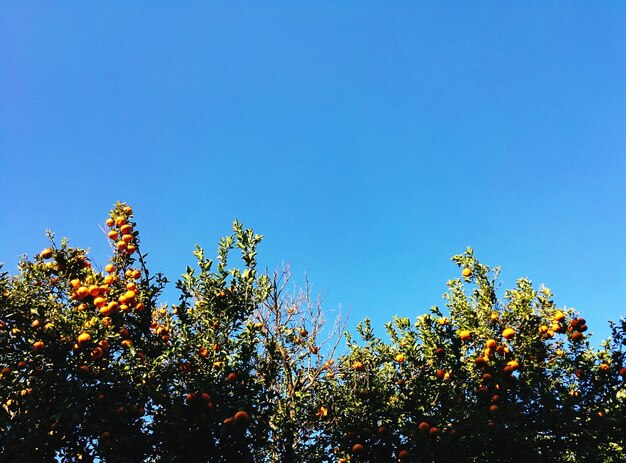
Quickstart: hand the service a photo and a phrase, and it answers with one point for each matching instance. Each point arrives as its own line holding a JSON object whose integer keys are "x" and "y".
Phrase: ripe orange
{"x": 480, "y": 361}
{"x": 465, "y": 335}
{"x": 440, "y": 374}
{"x": 96, "y": 353}
{"x": 127, "y": 343}
{"x": 577, "y": 336}
{"x": 203, "y": 352}
{"x": 110, "y": 222}
{"x": 232, "y": 378}
{"x": 120, "y": 245}
{"x": 241, "y": 418}
{"x": 128, "y": 210}
{"x": 113, "y": 235}
{"x": 558, "y": 316}
{"x": 119, "y": 221}
{"x": 491, "y": 343}
{"x": 466, "y": 272}
{"x": 82, "y": 291}
{"x": 46, "y": 253}
{"x": 139, "y": 307}
{"x": 126, "y": 229}
{"x": 103, "y": 343}
{"x": 433, "y": 431}
{"x": 357, "y": 449}
{"x": 130, "y": 249}
{"x": 110, "y": 268}
{"x": 508, "y": 333}
{"x": 423, "y": 427}
{"x": 400, "y": 358}
{"x": 83, "y": 338}
{"x": 94, "y": 290}
{"x": 99, "y": 302}
{"x": 38, "y": 346}
{"x": 35, "y": 324}
{"x": 127, "y": 238}
{"x": 358, "y": 366}
{"x": 136, "y": 274}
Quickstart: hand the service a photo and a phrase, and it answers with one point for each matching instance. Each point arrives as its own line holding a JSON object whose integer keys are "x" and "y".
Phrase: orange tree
{"x": 490, "y": 380}
{"x": 93, "y": 368}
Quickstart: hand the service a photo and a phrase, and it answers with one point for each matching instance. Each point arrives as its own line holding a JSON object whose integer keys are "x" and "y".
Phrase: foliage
{"x": 243, "y": 369}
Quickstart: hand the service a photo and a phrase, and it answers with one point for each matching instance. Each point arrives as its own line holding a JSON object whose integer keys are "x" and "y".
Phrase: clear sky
{"x": 368, "y": 141}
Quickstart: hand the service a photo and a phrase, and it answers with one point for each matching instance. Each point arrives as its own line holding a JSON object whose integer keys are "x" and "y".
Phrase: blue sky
{"x": 368, "y": 141}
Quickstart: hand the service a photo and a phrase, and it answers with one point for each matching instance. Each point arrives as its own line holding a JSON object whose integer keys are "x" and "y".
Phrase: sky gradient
{"x": 368, "y": 141}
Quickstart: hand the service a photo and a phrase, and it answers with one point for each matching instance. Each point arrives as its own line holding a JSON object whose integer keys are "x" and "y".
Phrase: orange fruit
{"x": 241, "y": 418}
{"x": 491, "y": 343}
{"x": 127, "y": 343}
{"x": 577, "y": 336}
{"x": 113, "y": 235}
{"x": 110, "y": 222}
{"x": 465, "y": 335}
{"x": 466, "y": 272}
{"x": 127, "y": 238}
{"x": 83, "y": 338}
{"x": 423, "y": 427}
{"x": 358, "y": 366}
{"x": 558, "y": 316}
{"x": 120, "y": 245}
{"x": 119, "y": 221}
{"x": 110, "y": 268}
{"x": 94, "y": 290}
{"x": 508, "y": 333}
{"x": 130, "y": 249}
{"x": 128, "y": 210}
{"x": 35, "y": 323}
{"x": 139, "y": 307}
{"x": 38, "y": 346}
{"x": 136, "y": 274}
{"x": 203, "y": 352}
{"x": 358, "y": 449}
{"x": 96, "y": 353}
{"x": 400, "y": 358}
{"x": 46, "y": 253}
{"x": 126, "y": 229}
{"x": 480, "y": 361}
{"x": 99, "y": 302}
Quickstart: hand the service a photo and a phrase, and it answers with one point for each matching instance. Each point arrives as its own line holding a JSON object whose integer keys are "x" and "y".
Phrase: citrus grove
{"x": 93, "y": 368}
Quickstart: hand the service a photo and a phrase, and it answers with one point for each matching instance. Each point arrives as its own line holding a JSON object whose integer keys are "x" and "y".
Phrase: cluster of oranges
{"x": 577, "y": 326}
{"x": 121, "y": 232}
{"x": 98, "y": 293}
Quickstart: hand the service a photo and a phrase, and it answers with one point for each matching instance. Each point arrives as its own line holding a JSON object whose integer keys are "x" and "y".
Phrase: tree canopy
{"x": 243, "y": 369}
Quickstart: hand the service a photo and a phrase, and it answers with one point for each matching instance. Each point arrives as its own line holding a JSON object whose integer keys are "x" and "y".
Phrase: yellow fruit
{"x": 466, "y": 272}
